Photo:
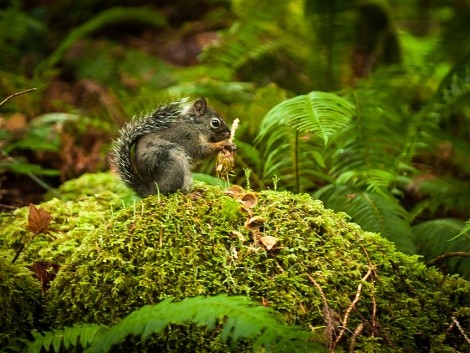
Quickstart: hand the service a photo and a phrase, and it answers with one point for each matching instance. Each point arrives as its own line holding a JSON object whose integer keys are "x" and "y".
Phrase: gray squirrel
{"x": 166, "y": 143}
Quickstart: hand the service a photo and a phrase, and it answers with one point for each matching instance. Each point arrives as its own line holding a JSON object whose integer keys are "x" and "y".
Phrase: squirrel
{"x": 166, "y": 143}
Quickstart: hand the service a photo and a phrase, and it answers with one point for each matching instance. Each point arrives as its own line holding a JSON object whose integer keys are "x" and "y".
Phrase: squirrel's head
{"x": 208, "y": 121}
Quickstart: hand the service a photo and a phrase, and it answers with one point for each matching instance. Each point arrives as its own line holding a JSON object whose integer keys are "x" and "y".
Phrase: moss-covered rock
{"x": 85, "y": 204}
{"x": 206, "y": 244}
{"x": 19, "y": 299}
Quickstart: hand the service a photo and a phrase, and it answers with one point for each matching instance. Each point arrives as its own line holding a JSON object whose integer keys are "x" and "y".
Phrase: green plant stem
{"x": 16, "y": 94}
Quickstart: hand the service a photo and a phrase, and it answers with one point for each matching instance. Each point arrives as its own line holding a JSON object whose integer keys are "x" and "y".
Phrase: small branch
{"x": 327, "y": 315}
{"x": 325, "y": 301}
{"x": 446, "y": 255}
{"x": 454, "y": 319}
{"x": 16, "y": 94}
{"x": 374, "y": 310}
{"x": 372, "y": 296}
{"x": 355, "y": 334}
{"x": 349, "y": 309}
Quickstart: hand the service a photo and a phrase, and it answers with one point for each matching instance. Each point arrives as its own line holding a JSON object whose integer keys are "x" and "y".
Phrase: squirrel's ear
{"x": 200, "y": 106}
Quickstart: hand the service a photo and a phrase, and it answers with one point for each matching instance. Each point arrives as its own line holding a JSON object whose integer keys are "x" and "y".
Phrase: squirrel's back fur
{"x": 120, "y": 157}
{"x": 166, "y": 142}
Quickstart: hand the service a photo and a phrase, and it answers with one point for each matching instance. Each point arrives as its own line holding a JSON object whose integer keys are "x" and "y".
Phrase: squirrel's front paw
{"x": 225, "y": 146}
{"x": 229, "y": 146}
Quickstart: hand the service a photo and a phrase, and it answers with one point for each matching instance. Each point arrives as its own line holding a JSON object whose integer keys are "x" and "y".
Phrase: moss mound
{"x": 85, "y": 204}
{"x": 288, "y": 251}
{"x": 19, "y": 299}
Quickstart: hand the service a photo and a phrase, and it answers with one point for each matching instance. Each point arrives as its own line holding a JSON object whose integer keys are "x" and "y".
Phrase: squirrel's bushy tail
{"x": 120, "y": 156}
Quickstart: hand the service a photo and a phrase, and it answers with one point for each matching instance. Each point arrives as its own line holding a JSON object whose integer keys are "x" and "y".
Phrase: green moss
{"x": 19, "y": 299}
{"x": 108, "y": 187}
{"x": 86, "y": 203}
{"x": 200, "y": 244}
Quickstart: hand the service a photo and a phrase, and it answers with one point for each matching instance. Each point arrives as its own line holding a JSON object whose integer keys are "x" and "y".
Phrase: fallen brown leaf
{"x": 254, "y": 222}
{"x": 38, "y": 219}
{"x": 268, "y": 241}
{"x": 235, "y": 191}
{"x": 239, "y": 235}
{"x": 249, "y": 200}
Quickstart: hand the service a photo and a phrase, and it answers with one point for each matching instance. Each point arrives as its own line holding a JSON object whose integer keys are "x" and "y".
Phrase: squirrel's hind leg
{"x": 163, "y": 166}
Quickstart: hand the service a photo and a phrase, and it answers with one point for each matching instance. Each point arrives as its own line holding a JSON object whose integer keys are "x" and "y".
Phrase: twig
{"x": 374, "y": 309}
{"x": 446, "y": 255}
{"x": 326, "y": 313}
{"x": 355, "y": 334}
{"x": 325, "y": 301}
{"x": 349, "y": 309}
{"x": 16, "y": 94}
{"x": 457, "y": 324}
{"x": 372, "y": 296}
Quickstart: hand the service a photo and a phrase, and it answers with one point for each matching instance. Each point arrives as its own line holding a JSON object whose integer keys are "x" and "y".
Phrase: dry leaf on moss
{"x": 235, "y": 191}
{"x": 268, "y": 241}
{"x": 38, "y": 219}
{"x": 249, "y": 200}
{"x": 239, "y": 235}
{"x": 254, "y": 222}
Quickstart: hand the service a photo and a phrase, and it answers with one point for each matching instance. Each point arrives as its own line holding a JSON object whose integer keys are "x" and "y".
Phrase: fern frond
{"x": 440, "y": 236}
{"x": 294, "y": 135}
{"x": 443, "y": 193}
{"x": 374, "y": 138}
{"x": 320, "y": 113}
{"x": 453, "y": 87}
{"x": 239, "y": 318}
{"x": 113, "y": 15}
{"x": 374, "y": 211}
{"x": 331, "y": 32}
{"x": 465, "y": 230}
{"x": 260, "y": 33}
{"x": 242, "y": 44}
{"x": 374, "y": 180}
{"x": 83, "y": 334}
{"x": 244, "y": 319}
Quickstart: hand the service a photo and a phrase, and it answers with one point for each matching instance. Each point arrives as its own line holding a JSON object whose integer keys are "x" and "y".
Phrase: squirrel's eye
{"x": 215, "y": 123}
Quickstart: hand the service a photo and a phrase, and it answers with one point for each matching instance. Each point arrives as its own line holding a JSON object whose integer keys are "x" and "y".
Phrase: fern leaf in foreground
{"x": 69, "y": 336}
{"x": 245, "y": 319}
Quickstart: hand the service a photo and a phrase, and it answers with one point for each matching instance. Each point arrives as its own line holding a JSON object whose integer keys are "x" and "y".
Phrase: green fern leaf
{"x": 320, "y": 113}
{"x": 440, "y": 236}
{"x": 374, "y": 211}
{"x": 110, "y": 16}
{"x": 443, "y": 193}
{"x": 465, "y": 230}
{"x": 331, "y": 26}
{"x": 68, "y": 336}
{"x": 244, "y": 319}
{"x": 454, "y": 86}
{"x": 57, "y": 341}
